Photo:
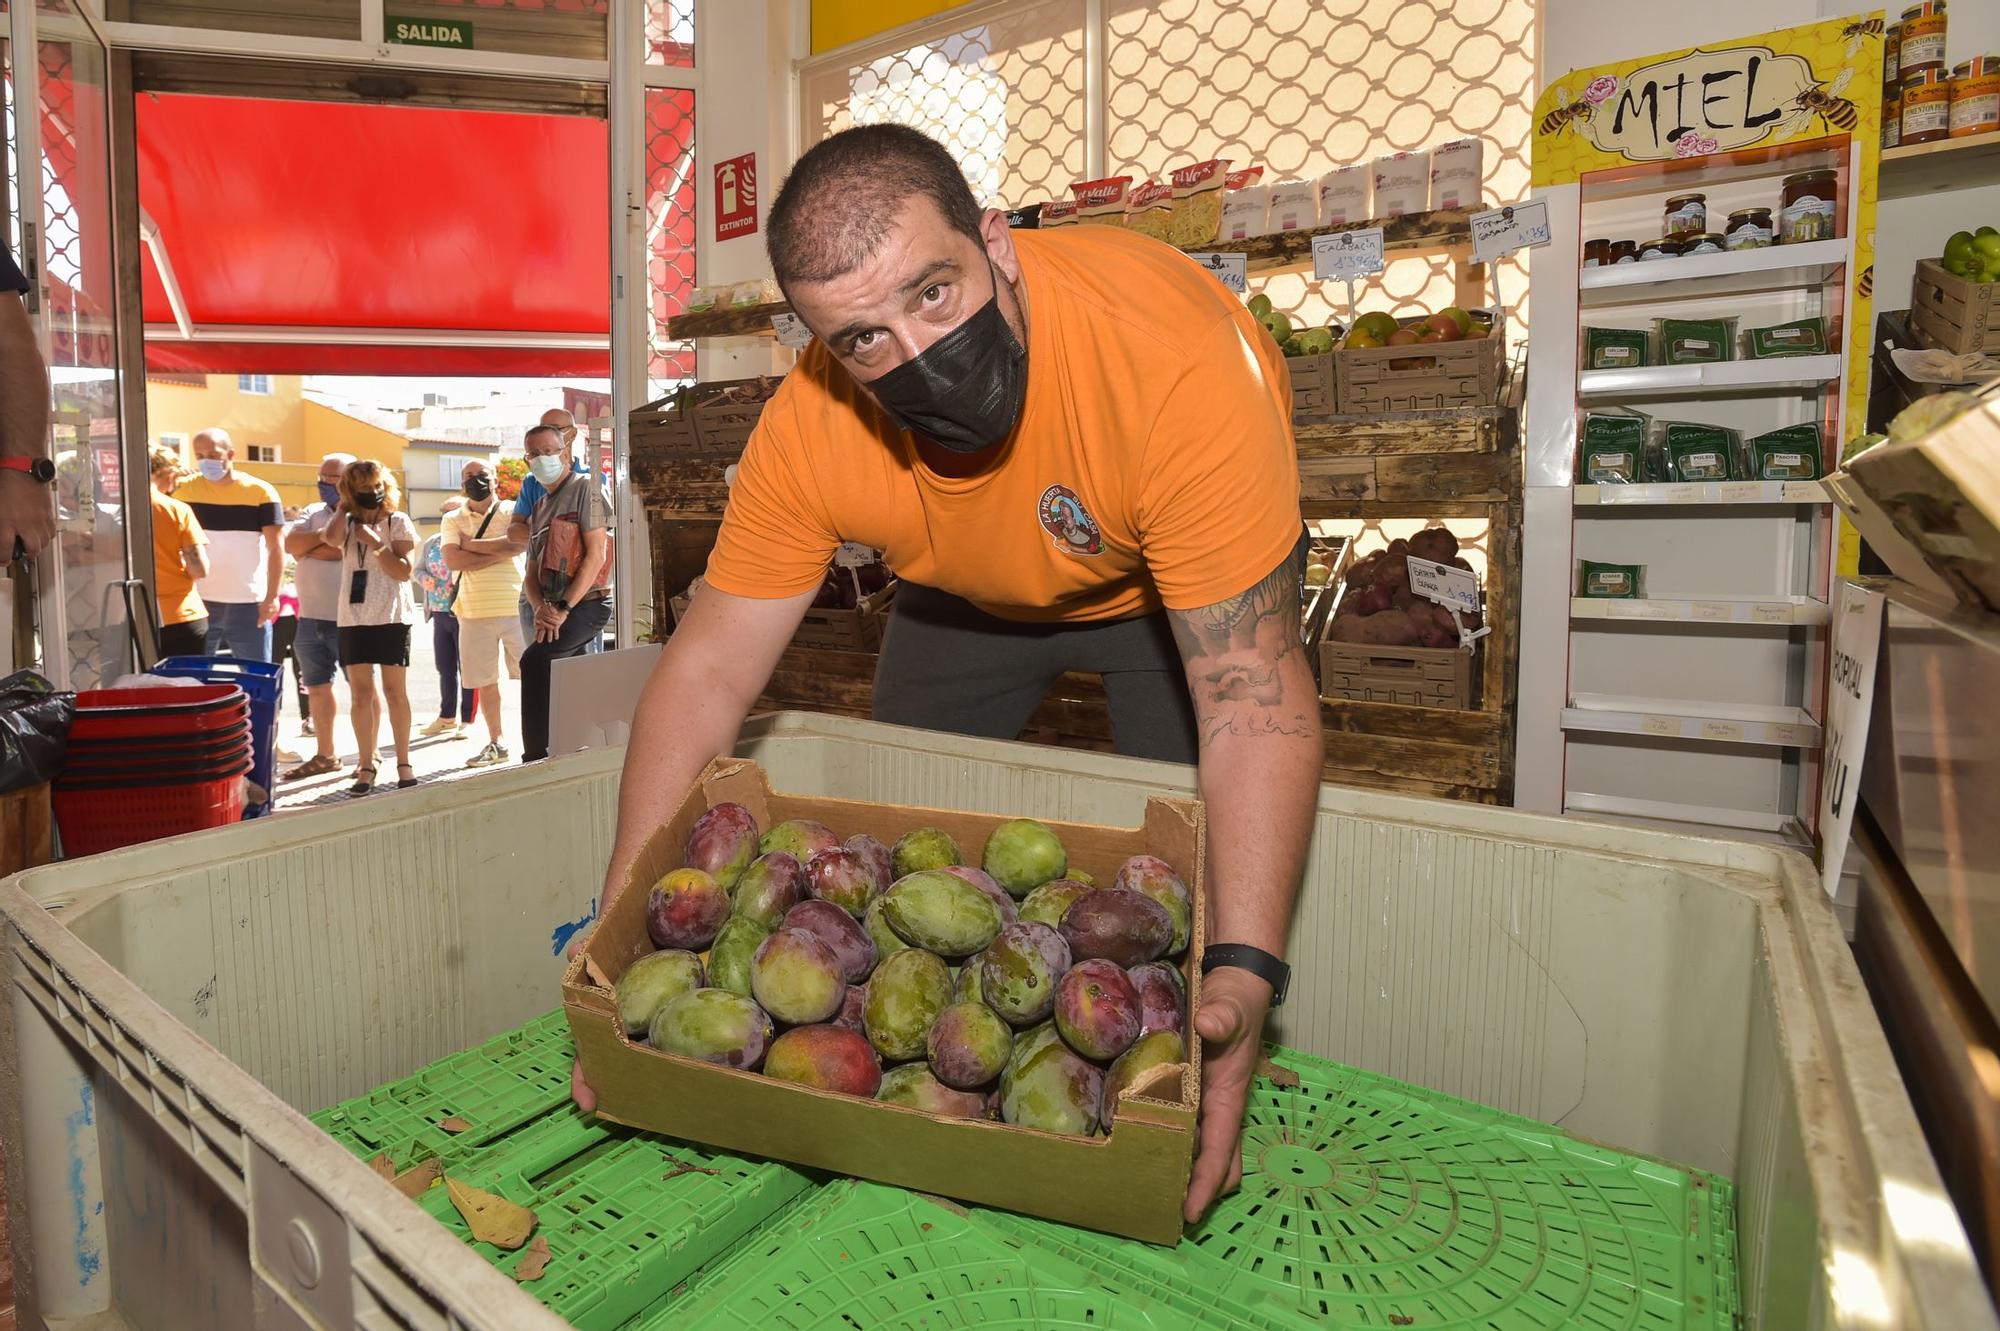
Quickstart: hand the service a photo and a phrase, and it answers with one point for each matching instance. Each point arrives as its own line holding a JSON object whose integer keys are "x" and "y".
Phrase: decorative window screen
{"x": 1296, "y": 86}
{"x": 670, "y": 223}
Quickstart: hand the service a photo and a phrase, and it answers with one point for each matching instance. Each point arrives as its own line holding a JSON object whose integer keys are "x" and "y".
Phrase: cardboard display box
{"x": 1132, "y": 1183}
{"x": 1951, "y": 314}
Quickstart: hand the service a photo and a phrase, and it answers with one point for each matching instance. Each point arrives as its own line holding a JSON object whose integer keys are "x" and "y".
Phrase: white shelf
{"x": 1776, "y": 611}
{"x": 1707, "y": 722}
{"x": 1706, "y": 492}
{"x": 1681, "y": 380}
{"x": 1691, "y": 277}
{"x": 1781, "y": 829}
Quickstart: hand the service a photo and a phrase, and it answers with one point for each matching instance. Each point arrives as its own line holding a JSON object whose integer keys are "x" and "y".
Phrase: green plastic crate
{"x": 1370, "y": 1203}
{"x": 857, "y": 1256}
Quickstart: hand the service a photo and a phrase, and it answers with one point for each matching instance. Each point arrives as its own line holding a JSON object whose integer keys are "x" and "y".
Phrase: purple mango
{"x": 714, "y": 1025}
{"x": 1097, "y": 1010}
{"x": 880, "y": 859}
{"x": 797, "y": 978}
{"x": 851, "y": 945}
{"x": 1162, "y": 998}
{"x": 830, "y": 1058}
{"x": 1118, "y": 924}
{"x": 843, "y": 877}
{"x": 1156, "y": 878}
{"x": 1018, "y": 977}
{"x": 722, "y": 843}
{"x": 801, "y": 838}
{"x": 979, "y": 878}
{"x": 685, "y": 910}
{"x": 1048, "y": 1086}
{"x": 770, "y": 886}
{"x": 968, "y": 1045}
{"x": 851, "y": 1008}
{"x": 1051, "y": 901}
{"x": 915, "y": 1085}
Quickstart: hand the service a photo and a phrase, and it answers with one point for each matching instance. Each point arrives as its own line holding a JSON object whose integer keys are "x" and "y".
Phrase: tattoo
{"x": 1240, "y": 652}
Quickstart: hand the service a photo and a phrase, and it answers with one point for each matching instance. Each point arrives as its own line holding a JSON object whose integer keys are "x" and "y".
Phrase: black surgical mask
{"x": 369, "y": 498}
{"x": 965, "y": 392}
{"x": 478, "y": 487}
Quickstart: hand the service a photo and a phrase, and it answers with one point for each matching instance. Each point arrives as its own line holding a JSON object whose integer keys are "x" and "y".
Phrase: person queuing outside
{"x": 316, "y": 644}
{"x": 375, "y": 541}
{"x": 531, "y": 494}
{"x": 488, "y": 585}
{"x": 458, "y": 702}
{"x": 180, "y": 559}
{"x": 568, "y": 579}
{"x": 245, "y": 525}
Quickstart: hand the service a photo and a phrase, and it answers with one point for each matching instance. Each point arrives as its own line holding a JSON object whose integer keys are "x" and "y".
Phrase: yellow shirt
{"x": 489, "y": 592}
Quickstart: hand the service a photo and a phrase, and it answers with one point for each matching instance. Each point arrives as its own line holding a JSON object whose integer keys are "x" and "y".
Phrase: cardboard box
{"x": 1131, "y": 1183}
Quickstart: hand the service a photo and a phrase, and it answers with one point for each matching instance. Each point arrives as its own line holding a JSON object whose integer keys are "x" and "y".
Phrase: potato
{"x": 1388, "y": 628}
{"x": 1435, "y": 544}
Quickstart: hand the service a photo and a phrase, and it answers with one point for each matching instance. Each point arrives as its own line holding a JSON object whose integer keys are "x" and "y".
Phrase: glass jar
{"x": 1659, "y": 249}
{"x": 1706, "y": 243}
{"x": 1975, "y": 96}
{"x": 1687, "y": 215}
{"x": 1892, "y": 117}
{"x": 1892, "y": 51}
{"x": 1624, "y": 251}
{"x": 1926, "y": 107}
{"x": 1596, "y": 253}
{"x": 1807, "y": 207}
{"x": 1748, "y": 229}
{"x": 1923, "y": 39}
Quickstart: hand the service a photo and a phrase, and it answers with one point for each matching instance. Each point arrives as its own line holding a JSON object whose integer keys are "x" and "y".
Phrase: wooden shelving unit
{"x": 1924, "y": 168}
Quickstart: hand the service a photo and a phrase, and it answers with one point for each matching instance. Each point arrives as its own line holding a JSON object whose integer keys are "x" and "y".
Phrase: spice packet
{"x": 1614, "y": 348}
{"x": 1198, "y": 202}
{"x": 1101, "y": 202}
{"x": 1790, "y": 453}
{"x": 1402, "y": 184}
{"x": 1294, "y": 206}
{"x": 1245, "y": 205}
{"x": 1694, "y": 341}
{"x": 1613, "y": 447}
{"x": 1346, "y": 195}
{"x": 1612, "y": 581}
{"x": 1801, "y": 337}
{"x": 1150, "y": 210}
{"x": 1696, "y": 452}
{"x": 1458, "y": 174}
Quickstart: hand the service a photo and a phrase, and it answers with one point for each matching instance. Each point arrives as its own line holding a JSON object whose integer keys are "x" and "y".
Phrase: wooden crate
{"x": 683, "y": 445}
{"x": 1314, "y": 383}
{"x": 1417, "y": 676}
{"x": 1941, "y": 495}
{"x": 1436, "y": 376}
{"x": 1948, "y": 313}
{"x": 681, "y": 544}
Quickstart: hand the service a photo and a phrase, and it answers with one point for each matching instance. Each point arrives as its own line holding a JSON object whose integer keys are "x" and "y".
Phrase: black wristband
{"x": 1272, "y": 970}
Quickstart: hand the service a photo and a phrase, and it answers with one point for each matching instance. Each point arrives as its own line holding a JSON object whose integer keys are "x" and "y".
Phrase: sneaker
{"x": 488, "y": 756}
{"x": 285, "y": 755}
{"x": 444, "y": 725}
{"x": 306, "y": 726}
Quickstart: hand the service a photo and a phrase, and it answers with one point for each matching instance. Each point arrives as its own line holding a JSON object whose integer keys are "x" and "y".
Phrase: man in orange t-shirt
{"x": 1075, "y": 450}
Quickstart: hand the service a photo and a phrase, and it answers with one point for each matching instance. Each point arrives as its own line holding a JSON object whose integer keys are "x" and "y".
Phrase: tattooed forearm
{"x": 1245, "y": 666}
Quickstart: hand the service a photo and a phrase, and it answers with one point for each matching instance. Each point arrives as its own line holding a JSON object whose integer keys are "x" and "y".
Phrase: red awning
{"x": 290, "y": 216}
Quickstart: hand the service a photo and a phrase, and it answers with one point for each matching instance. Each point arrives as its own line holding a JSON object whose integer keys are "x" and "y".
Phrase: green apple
{"x": 1260, "y": 304}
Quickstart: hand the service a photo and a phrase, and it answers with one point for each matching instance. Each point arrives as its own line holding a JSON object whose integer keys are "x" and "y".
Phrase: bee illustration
{"x": 1822, "y": 100}
{"x": 1866, "y": 286}
{"x": 1860, "y": 28}
{"x": 1566, "y": 114}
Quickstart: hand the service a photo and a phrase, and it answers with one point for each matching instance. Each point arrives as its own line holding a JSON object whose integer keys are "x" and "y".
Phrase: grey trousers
{"x": 946, "y": 665}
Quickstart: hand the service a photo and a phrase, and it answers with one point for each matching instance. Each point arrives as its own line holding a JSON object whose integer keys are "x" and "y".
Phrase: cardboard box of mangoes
{"x": 1016, "y": 1035}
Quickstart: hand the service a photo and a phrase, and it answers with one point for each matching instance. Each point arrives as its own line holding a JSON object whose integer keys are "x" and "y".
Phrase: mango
{"x": 1018, "y": 977}
{"x": 979, "y": 878}
{"x": 729, "y": 955}
{"x": 965, "y": 986}
{"x": 828, "y": 1058}
{"x": 968, "y": 1045}
{"x": 916, "y": 1086}
{"x": 1097, "y": 1010}
{"x": 905, "y": 995}
{"x": 722, "y": 843}
{"x": 933, "y": 910}
{"x": 851, "y": 1008}
{"x": 1156, "y": 1050}
{"x": 685, "y": 909}
{"x": 1162, "y": 998}
{"x": 1156, "y": 878}
{"x": 1047, "y": 1086}
{"x": 656, "y": 979}
{"x": 714, "y": 1025}
{"x": 1048, "y": 903}
{"x": 879, "y": 858}
{"x": 1022, "y": 855}
{"x": 801, "y": 838}
{"x": 851, "y": 945}
{"x": 843, "y": 877}
{"x": 1118, "y": 924}
{"x": 925, "y": 848}
{"x": 797, "y": 978}
{"x": 770, "y": 886}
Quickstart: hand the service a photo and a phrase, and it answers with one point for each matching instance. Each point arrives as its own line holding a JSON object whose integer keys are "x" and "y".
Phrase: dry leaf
{"x": 454, "y": 1124}
{"x": 682, "y": 1167}
{"x": 533, "y": 1262}
{"x": 1398, "y": 1319}
{"x": 493, "y": 1219}
{"x": 384, "y": 1167}
{"x": 415, "y": 1181}
{"x": 1276, "y": 1075}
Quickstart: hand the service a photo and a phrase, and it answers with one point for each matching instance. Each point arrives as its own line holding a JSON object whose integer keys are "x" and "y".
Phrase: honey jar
{"x": 1975, "y": 97}
{"x": 1926, "y": 106}
{"x": 1923, "y": 39}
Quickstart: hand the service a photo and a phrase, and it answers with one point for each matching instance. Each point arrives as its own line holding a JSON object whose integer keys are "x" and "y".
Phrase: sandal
{"x": 360, "y": 786}
{"x": 317, "y": 765}
{"x": 405, "y": 782}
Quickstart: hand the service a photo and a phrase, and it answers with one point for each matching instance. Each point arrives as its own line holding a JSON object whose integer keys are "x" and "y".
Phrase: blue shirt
{"x": 532, "y": 492}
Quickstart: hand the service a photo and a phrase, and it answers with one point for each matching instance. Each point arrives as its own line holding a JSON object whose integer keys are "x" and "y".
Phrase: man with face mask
{"x": 316, "y": 648}
{"x": 1075, "y": 448}
{"x": 245, "y": 523}
{"x": 532, "y": 490}
{"x": 568, "y": 579}
{"x": 488, "y": 585}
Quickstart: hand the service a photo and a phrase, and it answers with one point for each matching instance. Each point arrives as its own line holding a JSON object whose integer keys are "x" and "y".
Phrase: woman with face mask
{"x": 376, "y": 542}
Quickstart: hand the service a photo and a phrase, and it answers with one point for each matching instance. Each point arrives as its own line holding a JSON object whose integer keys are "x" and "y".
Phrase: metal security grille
{"x": 670, "y": 33}
{"x": 670, "y": 227}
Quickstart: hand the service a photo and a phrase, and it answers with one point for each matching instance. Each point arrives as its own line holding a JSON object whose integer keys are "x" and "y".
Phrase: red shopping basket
{"x": 101, "y": 819}
{"x": 158, "y": 713}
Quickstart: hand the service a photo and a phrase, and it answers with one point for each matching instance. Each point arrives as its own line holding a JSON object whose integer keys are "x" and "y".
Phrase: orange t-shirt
{"x": 1153, "y": 463}
{"x": 175, "y": 528}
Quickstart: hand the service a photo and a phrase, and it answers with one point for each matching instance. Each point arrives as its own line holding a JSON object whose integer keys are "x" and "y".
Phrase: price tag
{"x": 850, "y": 555}
{"x": 792, "y": 331}
{"x": 1779, "y": 733}
{"x": 1682, "y": 494}
{"x": 1230, "y": 269}
{"x": 1723, "y": 730}
{"x": 1343, "y": 256}
{"x": 1741, "y": 492}
{"x": 1710, "y": 610}
{"x": 1447, "y": 584}
{"x": 1768, "y": 613}
{"x": 1639, "y": 608}
{"x": 1498, "y": 232}
{"x": 1659, "y": 725}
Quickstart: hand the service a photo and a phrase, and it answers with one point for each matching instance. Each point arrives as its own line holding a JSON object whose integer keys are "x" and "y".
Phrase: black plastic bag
{"x": 34, "y": 730}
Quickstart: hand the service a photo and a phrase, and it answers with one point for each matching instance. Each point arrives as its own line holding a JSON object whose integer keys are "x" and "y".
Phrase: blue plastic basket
{"x": 264, "y": 684}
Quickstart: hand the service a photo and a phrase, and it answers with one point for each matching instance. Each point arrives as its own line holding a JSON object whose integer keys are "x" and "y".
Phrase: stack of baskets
{"x": 150, "y": 763}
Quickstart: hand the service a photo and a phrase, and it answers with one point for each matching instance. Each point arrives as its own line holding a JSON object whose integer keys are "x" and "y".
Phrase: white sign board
{"x": 1232, "y": 270}
{"x": 1857, "y": 643}
{"x": 1449, "y": 585}
{"x": 851, "y": 555}
{"x": 1343, "y": 256}
{"x": 1498, "y": 232}
{"x": 792, "y": 331}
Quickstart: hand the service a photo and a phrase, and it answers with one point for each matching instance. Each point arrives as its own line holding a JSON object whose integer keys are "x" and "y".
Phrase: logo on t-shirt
{"x": 1064, "y": 517}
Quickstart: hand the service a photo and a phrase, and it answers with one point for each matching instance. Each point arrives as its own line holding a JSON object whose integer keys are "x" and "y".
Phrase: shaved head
{"x": 214, "y": 442}
{"x": 842, "y": 198}
{"x": 559, "y": 419}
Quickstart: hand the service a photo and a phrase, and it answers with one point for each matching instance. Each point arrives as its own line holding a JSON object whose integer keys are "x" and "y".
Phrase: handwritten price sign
{"x": 1498, "y": 232}
{"x": 1232, "y": 270}
{"x": 1344, "y": 256}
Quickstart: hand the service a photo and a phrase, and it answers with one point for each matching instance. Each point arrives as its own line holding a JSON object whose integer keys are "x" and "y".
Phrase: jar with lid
{"x": 1892, "y": 117}
{"x": 1807, "y": 206}
{"x": 1923, "y": 39}
{"x": 1706, "y": 243}
{"x": 1748, "y": 229}
{"x": 1596, "y": 253}
{"x": 1687, "y": 215}
{"x": 1659, "y": 249}
{"x": 1892, "y": 49}
{"x": 1926, "y": 106}
{"x": 1624, "y": 251}
{"x": 1975, "y": 96}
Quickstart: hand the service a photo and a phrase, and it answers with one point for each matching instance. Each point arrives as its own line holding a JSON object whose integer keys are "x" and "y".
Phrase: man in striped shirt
{"x": 245, "y": 523}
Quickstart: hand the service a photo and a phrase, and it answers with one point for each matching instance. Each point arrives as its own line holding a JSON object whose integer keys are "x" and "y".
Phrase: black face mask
{"x": 965, "y": 392}
{"x": 369, "y": 498}
{"x": 478, "y": 487}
